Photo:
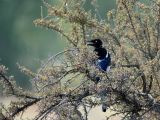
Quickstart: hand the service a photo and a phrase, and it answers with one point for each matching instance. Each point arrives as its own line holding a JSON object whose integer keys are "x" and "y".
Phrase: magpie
{"x": 104, "y": 59}
{"x": 103, "y": 62}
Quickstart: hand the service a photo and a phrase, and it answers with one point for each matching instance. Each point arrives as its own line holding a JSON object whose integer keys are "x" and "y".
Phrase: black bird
{"x": 103, "y": 62}
{"x": 104, "y": 59}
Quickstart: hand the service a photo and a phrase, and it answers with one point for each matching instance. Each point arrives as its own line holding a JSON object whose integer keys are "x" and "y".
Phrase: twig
{"x": 52, "y": 84}
{"x": 52, "y": 58}
{"x": 8, "y": 83}
{"x": 20, "y": 109}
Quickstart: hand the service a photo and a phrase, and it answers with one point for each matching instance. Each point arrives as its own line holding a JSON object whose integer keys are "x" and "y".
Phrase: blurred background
{"x": 22, "y": 42}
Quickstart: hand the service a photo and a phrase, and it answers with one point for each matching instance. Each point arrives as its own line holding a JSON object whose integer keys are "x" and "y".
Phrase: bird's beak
{"x": 90, "y": 43}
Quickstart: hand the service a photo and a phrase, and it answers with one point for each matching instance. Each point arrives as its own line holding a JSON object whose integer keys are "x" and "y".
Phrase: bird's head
{"x": 97, "y": 43}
